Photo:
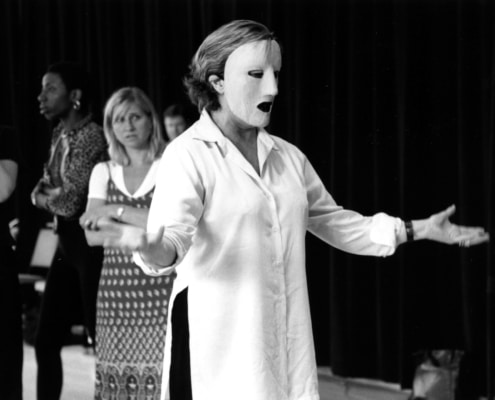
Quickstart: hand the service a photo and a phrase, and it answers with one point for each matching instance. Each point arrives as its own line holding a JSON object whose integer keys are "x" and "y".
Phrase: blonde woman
{"x": 131, "y": 307}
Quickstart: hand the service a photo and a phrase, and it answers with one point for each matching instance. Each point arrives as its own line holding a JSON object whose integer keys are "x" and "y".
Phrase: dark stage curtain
{"x": 392, "y": 101}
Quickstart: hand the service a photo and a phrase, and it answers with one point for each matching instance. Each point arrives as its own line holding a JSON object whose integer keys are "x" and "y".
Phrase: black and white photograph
{"x": 247, "y": 199}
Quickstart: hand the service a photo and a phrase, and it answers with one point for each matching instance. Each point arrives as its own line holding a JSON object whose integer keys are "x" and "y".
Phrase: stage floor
{"x": 79, "y": 373}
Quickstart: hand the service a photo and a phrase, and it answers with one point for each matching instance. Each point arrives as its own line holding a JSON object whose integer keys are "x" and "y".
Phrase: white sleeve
{"x": 149, "y": 269}
{"x": 98, "y": 181}
{"x": 177, "y": 203}
{"x": 348, "y": 230}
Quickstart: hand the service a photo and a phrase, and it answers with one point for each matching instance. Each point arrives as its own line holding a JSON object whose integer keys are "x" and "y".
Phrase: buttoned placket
{"x": 275, "y": 236}
{"x": 278, "y": 269}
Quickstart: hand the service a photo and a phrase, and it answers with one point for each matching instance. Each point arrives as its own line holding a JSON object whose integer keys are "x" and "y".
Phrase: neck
{"x": 138, "y": 157}
{"x": 72, "y": 119}
{"x": 233, "y": 131}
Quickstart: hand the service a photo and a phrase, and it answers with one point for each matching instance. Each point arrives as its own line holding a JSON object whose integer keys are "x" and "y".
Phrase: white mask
{"x": 250, "y": 82}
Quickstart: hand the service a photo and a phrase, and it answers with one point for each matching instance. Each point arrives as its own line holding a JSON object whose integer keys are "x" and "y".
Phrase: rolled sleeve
{"x": 150, "y": 268}
{"x": 384, "y": 230}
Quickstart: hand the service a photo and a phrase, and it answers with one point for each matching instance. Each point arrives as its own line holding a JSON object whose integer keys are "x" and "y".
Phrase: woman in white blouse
{"x": 230, "y": 213}
{"x": 132, "y": 307}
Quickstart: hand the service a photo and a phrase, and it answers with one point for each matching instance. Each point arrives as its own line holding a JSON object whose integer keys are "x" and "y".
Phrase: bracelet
{"x": 120, "y": 212}
{"x": 409, "y": 231}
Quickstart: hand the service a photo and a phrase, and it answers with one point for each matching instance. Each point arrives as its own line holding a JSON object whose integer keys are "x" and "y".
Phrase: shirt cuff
{"x": 149, "y": 268}
{"x": 385, "y": 230}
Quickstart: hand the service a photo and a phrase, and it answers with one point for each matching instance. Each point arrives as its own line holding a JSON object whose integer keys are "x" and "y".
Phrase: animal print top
{"x": 70, "y": 165}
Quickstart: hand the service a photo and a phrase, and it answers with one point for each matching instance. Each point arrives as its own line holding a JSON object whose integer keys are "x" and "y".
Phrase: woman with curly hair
{"x": 77, "y": 145}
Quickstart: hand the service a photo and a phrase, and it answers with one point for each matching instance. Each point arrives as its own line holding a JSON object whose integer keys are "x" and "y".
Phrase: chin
{"x": 265, "y": 123}
{"x": 261, "y": 122}
{"x": 47, "y": 114}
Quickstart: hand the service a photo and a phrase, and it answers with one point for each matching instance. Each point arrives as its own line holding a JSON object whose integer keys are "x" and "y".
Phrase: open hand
{"x": 442, "y": 230}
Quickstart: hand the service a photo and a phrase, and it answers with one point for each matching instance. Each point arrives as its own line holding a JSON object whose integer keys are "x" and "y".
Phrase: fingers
{"x": 126, "y": 237}
{"x": 96, "y": 223}
{"x": 475, "y": 230}
{"x": 156, "y": 237}
{"x": 88, "y": 221}
{"x": 449, "y": 211}
{"x": 466, "y": 236}
{"x": 473, "y": 238}
{"x": 90, "y": 224}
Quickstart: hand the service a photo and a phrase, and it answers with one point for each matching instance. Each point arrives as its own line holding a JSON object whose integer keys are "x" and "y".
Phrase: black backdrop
{"x": 392, "y": 101}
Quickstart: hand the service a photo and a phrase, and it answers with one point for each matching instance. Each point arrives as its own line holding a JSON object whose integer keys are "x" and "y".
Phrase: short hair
{"x": 74, "y": 76}
{"x": 175, "y": 110}
{"x": 212, "y": 54}
{"x": 131, "y": 95}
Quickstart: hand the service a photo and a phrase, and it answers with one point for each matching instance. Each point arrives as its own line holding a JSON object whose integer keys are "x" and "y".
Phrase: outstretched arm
{"x": 439, "y": 228}
{"x": 154, "y": 248}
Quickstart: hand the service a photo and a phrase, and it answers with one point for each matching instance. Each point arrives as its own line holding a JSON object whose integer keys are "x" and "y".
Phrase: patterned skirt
{"x": 130, "y": 330}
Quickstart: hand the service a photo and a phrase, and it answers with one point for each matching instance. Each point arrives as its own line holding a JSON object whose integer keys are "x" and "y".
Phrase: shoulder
{"x": 102, "y": 168}
{"x": 287, "y": 148}
{"x": 102, "y": 172}
{"x": 93, "y": 131}
{"x": 91, "y": 138}
{"x": 185, "y": 143}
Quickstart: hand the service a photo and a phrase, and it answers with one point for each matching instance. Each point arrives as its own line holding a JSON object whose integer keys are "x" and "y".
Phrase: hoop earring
{"x": 76, "y": 105}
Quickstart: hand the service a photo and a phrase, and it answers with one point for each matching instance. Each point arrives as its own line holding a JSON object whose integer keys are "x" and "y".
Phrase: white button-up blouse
{"x": 240, "y": 239}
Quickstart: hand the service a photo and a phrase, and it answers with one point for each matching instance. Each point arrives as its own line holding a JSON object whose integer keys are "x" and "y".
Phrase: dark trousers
{"x": 180, "y": 366}
{"x": 11, "y": 352}
{"x": 71, "y": 287}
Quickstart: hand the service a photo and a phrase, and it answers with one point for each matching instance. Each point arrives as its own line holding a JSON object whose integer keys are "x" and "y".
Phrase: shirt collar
{"x": 207, "y": 131}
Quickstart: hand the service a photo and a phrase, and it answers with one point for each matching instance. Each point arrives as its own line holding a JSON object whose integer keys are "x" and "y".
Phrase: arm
{"x": 380, "y": 234}
{"x": 93, "y": 236}
{"x": 69, "y": 199}
{"x": 8, "y": 177}
{"x": 176, "y": 208}
{"x": 42, "y": 194}
{"x": 174, "y": 213}
{"x": 154, "y": 249}
{"x": 44, "y": 189}
{"x": 439, "y": 229}
{"x": 98, "y": 209}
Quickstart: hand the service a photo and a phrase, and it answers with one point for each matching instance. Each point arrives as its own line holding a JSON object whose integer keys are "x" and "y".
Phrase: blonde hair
{"x": 131, "y": 95}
